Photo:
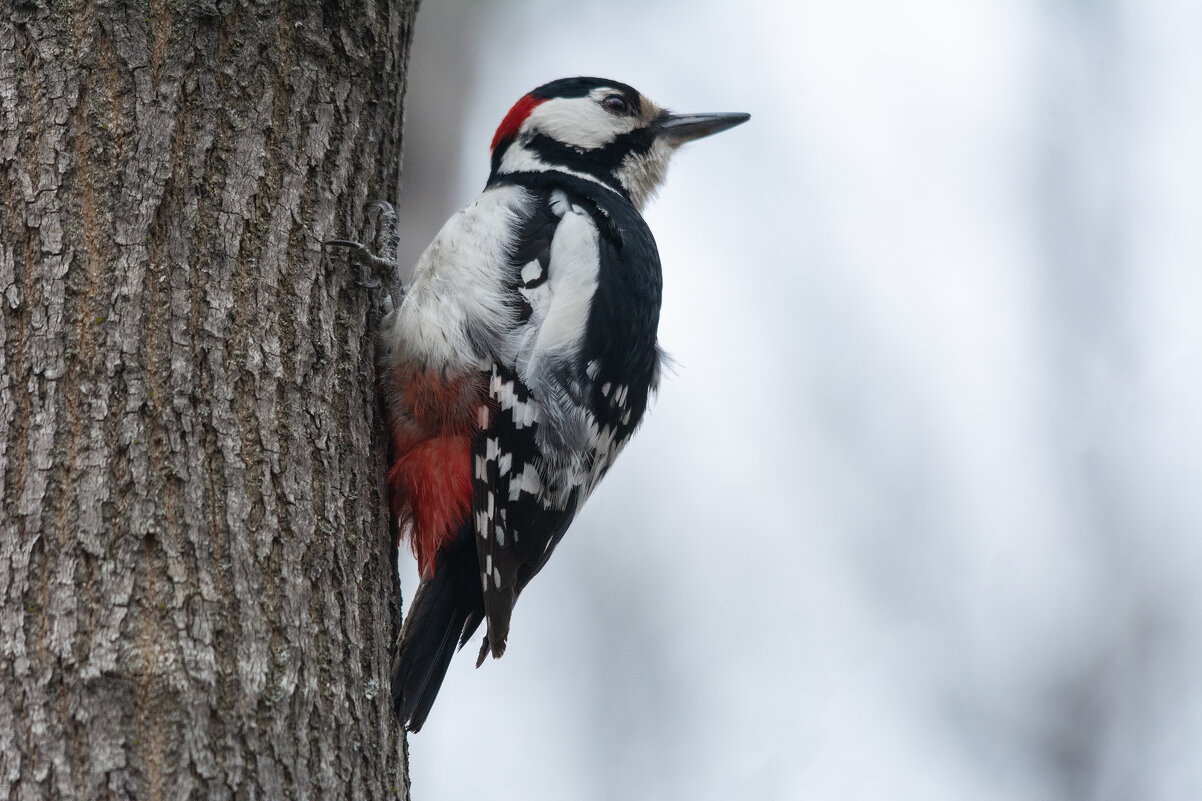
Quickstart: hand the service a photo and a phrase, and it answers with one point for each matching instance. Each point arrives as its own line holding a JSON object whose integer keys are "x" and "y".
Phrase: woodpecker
{"x": 521, "y": 358}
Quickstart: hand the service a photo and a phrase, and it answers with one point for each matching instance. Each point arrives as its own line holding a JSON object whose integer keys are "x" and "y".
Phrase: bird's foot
{"x": 381, "y": 262}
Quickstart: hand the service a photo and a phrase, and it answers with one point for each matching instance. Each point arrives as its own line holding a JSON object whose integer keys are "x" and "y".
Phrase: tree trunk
{"x": 197, "y": 577}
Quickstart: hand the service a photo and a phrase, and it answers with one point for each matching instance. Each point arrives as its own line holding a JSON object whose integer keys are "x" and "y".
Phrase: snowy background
{"x": 919, "y": 515}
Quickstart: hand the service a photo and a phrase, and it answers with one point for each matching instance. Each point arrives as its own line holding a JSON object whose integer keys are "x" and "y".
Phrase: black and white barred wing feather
{"x": 533, "y": 461}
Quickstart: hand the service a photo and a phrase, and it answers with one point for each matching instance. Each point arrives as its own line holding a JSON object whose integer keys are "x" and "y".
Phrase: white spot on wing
{"x": 532, "y": 272}
{"x": 523, "y": 413}
{"x": 527, "y": 481}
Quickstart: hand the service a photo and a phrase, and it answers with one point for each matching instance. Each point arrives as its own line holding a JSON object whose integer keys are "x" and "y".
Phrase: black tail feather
{"x": 437, "y": 619}
{"x": 427, "y": 644}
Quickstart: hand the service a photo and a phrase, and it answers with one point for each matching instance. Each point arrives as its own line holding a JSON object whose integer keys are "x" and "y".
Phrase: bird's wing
{"x": 532, "y": 457}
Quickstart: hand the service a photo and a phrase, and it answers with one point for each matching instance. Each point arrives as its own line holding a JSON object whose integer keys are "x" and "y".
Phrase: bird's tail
{"x": 446, "y": 610}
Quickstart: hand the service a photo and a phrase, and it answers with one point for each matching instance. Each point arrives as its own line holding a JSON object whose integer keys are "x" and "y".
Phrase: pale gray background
{"x": 918, "y": 516}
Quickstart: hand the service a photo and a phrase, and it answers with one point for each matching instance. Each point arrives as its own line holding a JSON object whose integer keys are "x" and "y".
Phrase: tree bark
{"x": 197, "y": 578}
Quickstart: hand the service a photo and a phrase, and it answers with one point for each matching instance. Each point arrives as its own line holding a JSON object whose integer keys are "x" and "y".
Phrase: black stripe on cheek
{"x": 603, "y": 163}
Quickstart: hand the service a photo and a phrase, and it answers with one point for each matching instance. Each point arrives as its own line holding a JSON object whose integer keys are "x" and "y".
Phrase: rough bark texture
{"x": 197, "y": 583}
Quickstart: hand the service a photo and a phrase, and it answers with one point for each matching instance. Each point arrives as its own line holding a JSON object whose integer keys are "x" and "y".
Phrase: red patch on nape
{"x": 513, "y": 120}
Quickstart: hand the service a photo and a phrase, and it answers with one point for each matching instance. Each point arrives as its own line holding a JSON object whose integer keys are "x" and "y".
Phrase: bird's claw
{"x": 386, "y": 226}
{"x": 362, "y": 254}
{"x": 381, "y": 264}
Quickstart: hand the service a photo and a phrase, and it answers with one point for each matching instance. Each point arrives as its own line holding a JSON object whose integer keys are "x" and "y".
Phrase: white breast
{"x": 457, "y": 284}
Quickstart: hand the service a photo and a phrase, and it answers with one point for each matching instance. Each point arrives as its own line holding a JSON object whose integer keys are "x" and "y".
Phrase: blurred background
{"x": 919, "y": 513}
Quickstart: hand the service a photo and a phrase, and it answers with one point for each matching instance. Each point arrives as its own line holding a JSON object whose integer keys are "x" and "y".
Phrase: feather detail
{"x": 431, "y": 424}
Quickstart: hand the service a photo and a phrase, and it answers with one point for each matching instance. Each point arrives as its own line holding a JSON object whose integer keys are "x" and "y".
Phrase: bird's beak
{"x": 677, "y": 129}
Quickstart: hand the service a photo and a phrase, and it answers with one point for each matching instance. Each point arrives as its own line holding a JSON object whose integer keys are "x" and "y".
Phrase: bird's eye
{"x": 616, "y": 104}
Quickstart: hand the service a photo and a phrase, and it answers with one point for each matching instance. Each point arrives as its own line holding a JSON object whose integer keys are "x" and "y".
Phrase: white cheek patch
{"x": 578, "y": 121}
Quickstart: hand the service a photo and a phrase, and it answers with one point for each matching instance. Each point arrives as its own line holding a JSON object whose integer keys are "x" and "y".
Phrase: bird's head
{"x": 599, "y": 129}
